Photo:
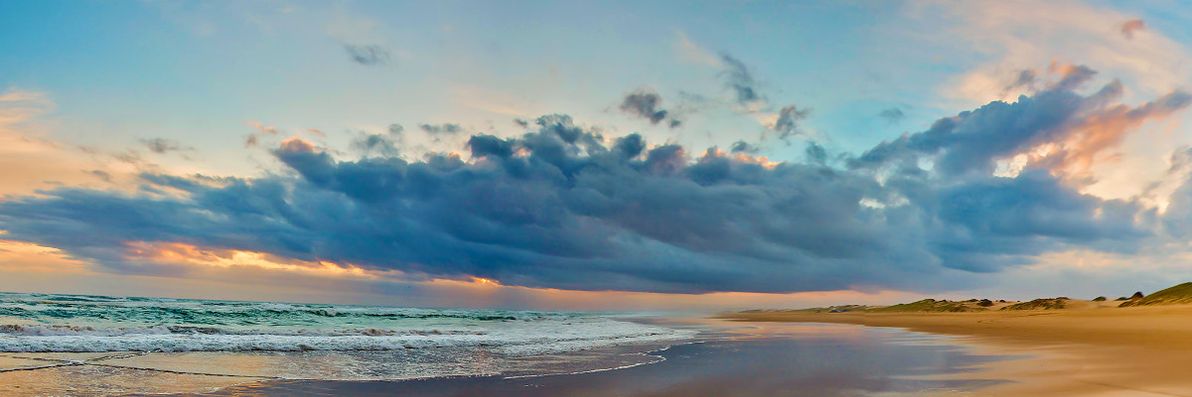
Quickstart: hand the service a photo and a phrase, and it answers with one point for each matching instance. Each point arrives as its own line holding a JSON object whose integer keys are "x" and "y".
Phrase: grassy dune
{"x": 1177, "y": 295}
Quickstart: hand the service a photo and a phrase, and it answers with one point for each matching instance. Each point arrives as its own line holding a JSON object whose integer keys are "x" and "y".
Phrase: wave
{"x": 71, "y": 323}
{"x": 82, "y": 330}
{"x": 172, "y": 342}
{"x": 232, "y": 312}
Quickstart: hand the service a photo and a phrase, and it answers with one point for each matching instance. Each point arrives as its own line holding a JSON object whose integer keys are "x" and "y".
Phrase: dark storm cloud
{"x": 740, "y": 80}
{"x": 563, "y": 207}
{"x": 368, "y": 55}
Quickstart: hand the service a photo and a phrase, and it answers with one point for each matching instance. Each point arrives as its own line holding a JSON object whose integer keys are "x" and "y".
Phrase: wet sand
{"x": 92, "y": 374}
{"x": 772, "y": 360}
{"x": 738, "y": 359}
{"x": 1091, "y": 350}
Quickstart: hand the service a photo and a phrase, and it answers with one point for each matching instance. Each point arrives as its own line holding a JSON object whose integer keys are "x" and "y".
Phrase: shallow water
{"x": 70, "y": 323}
{"x": 804, "y": 360}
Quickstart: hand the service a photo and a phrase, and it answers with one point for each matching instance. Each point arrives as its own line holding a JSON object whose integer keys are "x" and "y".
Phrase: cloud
{"x": 1056, "y": 129}
{"x": 441, "y": 129}
{"x": 646, "y": 104}
{"x": 1025, "y": 79}
{"x": 384, "y": 144}
{"x": 749, "y": 100}
{"x": 30, "y": 159}
{"x": 815, "y": 153}
{"x": 744, "y": 147}
{"x": 1009, "y": 40}
{"x": 563, "y": 206}
{"x": 740, "y": 80}
{"x": 892, "y": 115}
{"x": 163, "y": 145}
{"x": 367, "y": 55}
{"x": 260, "y": 131}
{"x": 788, "y": 121}
{"x": 395, "y": 129}
{"x": 1129, "y": 28}
{"x": 375, "y": 145}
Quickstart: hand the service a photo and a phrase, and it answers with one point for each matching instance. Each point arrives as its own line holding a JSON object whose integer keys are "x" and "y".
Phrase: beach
{"x": 65, "y": 345}
{"x": 748, "y": 360}
{"x": 1089, "y": 350}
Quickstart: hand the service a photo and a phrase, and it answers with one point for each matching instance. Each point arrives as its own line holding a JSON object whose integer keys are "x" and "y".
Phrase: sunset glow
{"x": 687, "y": 166}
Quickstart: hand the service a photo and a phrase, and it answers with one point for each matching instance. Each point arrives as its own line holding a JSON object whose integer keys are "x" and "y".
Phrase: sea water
{"x": 321, "y": 341}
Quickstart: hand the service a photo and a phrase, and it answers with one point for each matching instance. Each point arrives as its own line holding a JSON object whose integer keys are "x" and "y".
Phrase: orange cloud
{"x": 247, "y": 267}
{"x": 1077, "y": 149}
{"x": 168, "y": 253}
{"x": 238, "y": 274}
{"x": 19, "y": 256}
{"x": 1104, "y": 131}
{"x": 30, "y": 159}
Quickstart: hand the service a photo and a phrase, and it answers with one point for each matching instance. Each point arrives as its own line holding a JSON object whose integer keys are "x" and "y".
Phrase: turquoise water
{"x": 76, "y": 323}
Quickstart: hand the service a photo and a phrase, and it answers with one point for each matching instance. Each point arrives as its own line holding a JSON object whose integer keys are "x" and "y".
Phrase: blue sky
{"x": 201, "y": 69}
{"x": 161, "y": 105}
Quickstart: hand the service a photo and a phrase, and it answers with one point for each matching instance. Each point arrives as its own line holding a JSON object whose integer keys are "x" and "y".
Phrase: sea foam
{"x": 67, "y": 323}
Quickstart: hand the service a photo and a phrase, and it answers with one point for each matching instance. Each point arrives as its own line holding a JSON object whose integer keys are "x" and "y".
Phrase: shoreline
{"x": 749, "y": 360}
{"x": 1101, "y": 351}
{"x": 755, "y": 361}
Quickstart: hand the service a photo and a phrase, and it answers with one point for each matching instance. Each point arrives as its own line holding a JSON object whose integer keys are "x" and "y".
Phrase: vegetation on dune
{"x": 838, "y": 309}
{"x": 1179, "y": 294}
{"x": 1040, "y": 304}
{"x": 929, "y": 305}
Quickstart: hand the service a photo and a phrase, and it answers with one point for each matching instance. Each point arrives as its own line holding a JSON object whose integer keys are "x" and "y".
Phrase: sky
{"x": 595, "y": 155}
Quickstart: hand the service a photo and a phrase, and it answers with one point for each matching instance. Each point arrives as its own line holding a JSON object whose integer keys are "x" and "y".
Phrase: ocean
{"x": 349, "y": 342}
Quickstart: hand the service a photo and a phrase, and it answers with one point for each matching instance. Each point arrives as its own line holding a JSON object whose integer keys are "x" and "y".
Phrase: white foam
{"x": 512, "y": 338}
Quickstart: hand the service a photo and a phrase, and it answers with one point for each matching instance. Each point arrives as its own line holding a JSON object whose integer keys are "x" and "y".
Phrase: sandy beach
{"x": 1090, "y": 349}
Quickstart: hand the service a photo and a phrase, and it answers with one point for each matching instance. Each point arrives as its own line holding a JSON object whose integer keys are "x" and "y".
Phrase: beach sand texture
{"x": 1085, "y": 349}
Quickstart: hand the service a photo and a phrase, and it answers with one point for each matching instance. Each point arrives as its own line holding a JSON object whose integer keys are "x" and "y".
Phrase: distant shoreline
{"x": 1079, "y": 351}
